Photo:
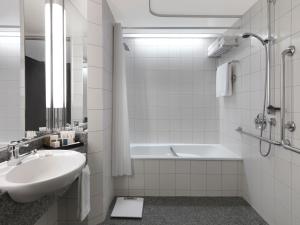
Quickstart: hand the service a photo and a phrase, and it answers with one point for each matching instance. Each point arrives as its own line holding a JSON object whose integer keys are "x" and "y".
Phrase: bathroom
{"x": 149, "y": 112}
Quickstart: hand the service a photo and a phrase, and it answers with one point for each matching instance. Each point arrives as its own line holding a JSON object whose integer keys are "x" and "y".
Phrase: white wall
{"x": 99, "y": 52}
{"x": 10, "y": 13}
{"x": 272, "y": 184}
{"x": 171, "y": 91}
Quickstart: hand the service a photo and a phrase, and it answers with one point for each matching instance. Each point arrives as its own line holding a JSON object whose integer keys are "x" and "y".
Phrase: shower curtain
{"x": 121, "y": 161}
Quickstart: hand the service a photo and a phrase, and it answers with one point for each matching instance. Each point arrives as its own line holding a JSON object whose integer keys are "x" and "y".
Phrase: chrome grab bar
{"x": 241, "y": 131}
{"x": 290, "y": 51}
{"x": 285, "y": 143}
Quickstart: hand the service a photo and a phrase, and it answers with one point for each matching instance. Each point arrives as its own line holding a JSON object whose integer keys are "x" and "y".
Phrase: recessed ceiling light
{"x": 170, "y": 35}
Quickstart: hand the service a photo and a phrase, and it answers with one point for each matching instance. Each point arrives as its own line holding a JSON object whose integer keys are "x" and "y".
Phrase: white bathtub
{"x": 182, "y": 151}
{"x": 194, "y": 170}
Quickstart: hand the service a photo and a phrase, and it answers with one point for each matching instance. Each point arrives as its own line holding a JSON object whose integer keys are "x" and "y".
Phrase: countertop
{"x": 13, "y": 213}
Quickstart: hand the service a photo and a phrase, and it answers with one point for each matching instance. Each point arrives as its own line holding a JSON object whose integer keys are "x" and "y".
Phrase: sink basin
{"x": 40, "y": 174}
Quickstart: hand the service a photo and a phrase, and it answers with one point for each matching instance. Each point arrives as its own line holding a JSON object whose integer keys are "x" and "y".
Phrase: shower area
{"x": 174, "y": 121}
{"x": 171, "y": 91}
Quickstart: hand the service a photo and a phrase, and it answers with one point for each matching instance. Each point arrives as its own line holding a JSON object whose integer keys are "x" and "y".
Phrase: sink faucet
{"x": 14, "y": 150}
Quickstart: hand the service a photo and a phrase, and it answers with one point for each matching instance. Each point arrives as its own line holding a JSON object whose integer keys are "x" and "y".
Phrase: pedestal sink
{"x": 41, "y": 174}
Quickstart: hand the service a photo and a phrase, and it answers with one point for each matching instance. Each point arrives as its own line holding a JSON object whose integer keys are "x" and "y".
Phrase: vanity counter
{"x": 13, "y": 213}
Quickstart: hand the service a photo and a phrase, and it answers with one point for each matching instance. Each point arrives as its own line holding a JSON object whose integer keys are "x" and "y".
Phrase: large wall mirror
{"x": 43, "y": 65}
{"x": 55, "y": 36}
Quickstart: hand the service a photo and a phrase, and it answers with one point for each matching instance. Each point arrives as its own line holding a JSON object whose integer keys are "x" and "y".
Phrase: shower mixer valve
{"x": 260, "y": 121}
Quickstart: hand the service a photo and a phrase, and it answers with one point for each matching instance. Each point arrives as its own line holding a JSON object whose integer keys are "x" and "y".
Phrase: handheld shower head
{"x": 247, "y": 35}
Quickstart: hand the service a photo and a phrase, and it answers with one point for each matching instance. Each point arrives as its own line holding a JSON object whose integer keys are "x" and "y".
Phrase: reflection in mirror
{"x": 11, "y": 72}
{"x": 77, "y": 60}
{"x": 44, "y": 55}
{"x": 35, "y": 83}
{"x": 23, "y": 66}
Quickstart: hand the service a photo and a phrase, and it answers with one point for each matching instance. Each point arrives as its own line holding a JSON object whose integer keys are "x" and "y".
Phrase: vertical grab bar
{"x": 290, "y": 51}
{"x": 287, "y": 52}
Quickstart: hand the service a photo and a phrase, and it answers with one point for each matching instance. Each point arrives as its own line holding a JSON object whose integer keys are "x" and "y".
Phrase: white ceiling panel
{"x": 211, "y": 7}
{"x": 135, "y": 13}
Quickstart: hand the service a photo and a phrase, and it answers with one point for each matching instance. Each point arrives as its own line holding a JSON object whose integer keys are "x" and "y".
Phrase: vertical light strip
{"x": 55, "y": 36}
{"x": 58, "y": 55}
{"x": 48, "y": 54}
{"x": 55, "y": 53}
{"x": 65, "y": 62}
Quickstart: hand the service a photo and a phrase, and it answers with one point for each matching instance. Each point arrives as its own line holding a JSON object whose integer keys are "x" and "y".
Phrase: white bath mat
{"x": 128, "y": 207}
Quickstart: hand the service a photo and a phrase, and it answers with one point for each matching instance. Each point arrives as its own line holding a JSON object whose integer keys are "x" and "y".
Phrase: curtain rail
{"x": 191, "y": 16}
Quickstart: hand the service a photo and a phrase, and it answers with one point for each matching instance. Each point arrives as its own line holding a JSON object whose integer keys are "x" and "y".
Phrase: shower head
{"x": 263, "y": 42}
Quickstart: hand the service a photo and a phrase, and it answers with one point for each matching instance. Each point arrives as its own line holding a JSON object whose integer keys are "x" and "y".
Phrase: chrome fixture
{"x": 266, "y": 43}
{"x": 291, "y": 126}
{"x": 260, "y": 121}
{"x": 14, "y": 150}
{"x": 270, "y": 141}
{"x": 249, "y": 34}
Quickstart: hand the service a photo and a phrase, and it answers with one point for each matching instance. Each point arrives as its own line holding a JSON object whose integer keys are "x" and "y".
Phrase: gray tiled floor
{"x": 193, "y": 211}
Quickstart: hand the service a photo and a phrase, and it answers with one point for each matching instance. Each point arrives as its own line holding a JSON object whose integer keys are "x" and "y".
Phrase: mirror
{"x": 35, "y": 83}
{"x": 12, "y": 109}
{"x": 76, "y": 60}
{"x": 23, "y": 64}
{"x": 66, "y": 78}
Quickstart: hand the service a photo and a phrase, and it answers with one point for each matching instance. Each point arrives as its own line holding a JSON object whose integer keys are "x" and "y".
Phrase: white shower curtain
{"x": 121, "y": 161}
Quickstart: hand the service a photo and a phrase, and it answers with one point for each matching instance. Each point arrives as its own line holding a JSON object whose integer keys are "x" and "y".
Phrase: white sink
{"x": 40, "y": 174}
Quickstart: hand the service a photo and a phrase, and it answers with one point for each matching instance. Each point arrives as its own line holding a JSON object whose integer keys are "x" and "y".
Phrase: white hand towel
{"x": 224, "y": 80}
{"x": 85, "y": 202}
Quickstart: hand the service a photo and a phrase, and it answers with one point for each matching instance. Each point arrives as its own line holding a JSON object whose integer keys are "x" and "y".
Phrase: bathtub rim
{"x": 147, "y": 157}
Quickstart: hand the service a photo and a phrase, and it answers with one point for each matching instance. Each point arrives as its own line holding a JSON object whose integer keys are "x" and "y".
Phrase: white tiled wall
{"x": 271, "y": 185}
{"x": 171, "y": 91}
{"x": 181, "y": 178}
{"x": 99, "y": 107}
{"x": 100, "y": 55}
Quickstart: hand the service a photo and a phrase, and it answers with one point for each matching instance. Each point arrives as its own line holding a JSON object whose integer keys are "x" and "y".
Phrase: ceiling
{"x": 9, "y": 13}
{"x": 135, "y": 13}
{"x": 35, "y": 22}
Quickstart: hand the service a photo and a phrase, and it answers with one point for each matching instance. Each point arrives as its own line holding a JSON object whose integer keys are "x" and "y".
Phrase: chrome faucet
{"x": 14, "y": 150}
